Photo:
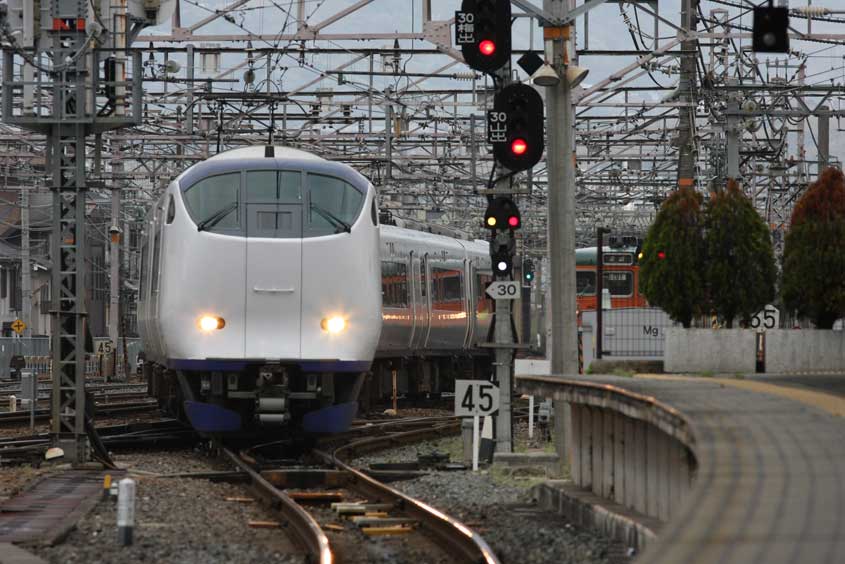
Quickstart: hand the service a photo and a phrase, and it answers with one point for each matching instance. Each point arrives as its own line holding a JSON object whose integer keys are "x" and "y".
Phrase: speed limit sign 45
{"x": 475, "y": 397}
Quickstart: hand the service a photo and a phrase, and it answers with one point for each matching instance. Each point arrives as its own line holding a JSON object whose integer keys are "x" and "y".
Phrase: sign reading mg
{"x": 475, "y": 397}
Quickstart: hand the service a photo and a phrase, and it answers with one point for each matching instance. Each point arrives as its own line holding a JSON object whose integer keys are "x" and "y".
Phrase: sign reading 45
{"x": 475, "y": 397}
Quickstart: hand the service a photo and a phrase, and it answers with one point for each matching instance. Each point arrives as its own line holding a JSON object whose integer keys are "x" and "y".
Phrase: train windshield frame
{"x": 273, "y": 199}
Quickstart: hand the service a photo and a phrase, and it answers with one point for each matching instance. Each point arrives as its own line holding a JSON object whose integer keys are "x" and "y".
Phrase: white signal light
{"x": 502, "y": 266}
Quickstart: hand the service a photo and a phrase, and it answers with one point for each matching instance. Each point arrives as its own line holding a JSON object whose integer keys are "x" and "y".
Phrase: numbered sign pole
{"x": 476, "y": 421}
{"x": 474, "y": 398}
{"x": 530, "y": 417}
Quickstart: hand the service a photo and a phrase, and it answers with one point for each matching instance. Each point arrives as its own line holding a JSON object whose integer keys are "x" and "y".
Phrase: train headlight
{"x": 208, "y": 323}
{"x": 334, "y": 324}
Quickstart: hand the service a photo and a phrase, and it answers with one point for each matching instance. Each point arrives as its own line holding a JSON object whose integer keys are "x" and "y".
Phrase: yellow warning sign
{"x": 18, "y": 326}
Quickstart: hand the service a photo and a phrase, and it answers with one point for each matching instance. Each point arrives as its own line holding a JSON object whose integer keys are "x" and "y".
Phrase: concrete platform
{"x": 47, "y": 511}
{"x": 587, "y": 510}
{"x": 548, "y": 461}
{"x": 770, "y": 479}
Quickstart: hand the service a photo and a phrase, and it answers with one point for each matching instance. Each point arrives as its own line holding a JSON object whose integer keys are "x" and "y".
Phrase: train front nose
{"x": 273, "y": 301}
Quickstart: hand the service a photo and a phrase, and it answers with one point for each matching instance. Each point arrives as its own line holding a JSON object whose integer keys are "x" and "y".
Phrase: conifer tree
{"x": 671, "y": 273}
{"x": 740, "y": 265}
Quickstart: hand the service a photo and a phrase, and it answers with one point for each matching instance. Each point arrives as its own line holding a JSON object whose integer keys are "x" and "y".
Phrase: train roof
{"x": 284, "y": 158}
{"x": 394, "y": 233}
{"x": 587, "y": 255}
{"x": 257, "y": 152}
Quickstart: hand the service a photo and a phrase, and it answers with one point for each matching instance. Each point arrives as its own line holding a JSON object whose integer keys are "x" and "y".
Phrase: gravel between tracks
{"x": 177, "y": 520}
{"x": 500, "y": 508}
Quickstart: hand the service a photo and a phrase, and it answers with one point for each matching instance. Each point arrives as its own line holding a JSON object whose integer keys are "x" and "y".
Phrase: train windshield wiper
{"x": 331, "y": 218}
{"x": 216, "y": 217}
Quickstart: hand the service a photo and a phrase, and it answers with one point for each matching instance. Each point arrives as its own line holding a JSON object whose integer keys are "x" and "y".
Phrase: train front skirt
{"x": 211, "y": 418}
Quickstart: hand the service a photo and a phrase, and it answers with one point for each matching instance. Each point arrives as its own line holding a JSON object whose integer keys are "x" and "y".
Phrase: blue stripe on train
{"x": 240, "y": 365}
{"x": 332, "y": 419}
{"x": 210, "y": 418}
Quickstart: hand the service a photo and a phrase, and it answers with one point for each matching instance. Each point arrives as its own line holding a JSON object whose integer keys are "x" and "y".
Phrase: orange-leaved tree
{"x": 814, "y": 252}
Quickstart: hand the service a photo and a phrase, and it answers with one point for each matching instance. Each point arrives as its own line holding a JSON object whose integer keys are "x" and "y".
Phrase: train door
{"x": 419, "y": 306}
{"x": 425, "y": 286}
{"x": 273, "y": 265}
{"x": 157, "y": 230}
{"x": 469, "y": 276}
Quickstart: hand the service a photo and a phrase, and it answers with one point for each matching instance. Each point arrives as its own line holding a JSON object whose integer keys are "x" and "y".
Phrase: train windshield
{"x": 274, "y": 203}
{"x": 333, "y": 204}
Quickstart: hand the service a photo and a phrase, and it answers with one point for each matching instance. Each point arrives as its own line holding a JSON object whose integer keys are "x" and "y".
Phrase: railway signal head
{"x": 515, "y": 126}
{"x": 528, "y": 270}
{"x": 483, "y": 31}
{"x": 770, "y": 29}
{"x": 502, "y": 213}
{"x": 502, "y": 260}
{"x": 661, "y": 255}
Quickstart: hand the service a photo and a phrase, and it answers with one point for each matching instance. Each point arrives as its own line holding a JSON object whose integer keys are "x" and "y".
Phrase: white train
{"x": 270, "y": 294}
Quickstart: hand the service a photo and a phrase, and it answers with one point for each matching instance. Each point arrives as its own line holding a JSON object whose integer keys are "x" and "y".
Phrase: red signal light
{"x": 487, "y": 47}
{"x": 519, "y": 146}
{"x": 513, "y": 221}
{"x": 661, "y": 255}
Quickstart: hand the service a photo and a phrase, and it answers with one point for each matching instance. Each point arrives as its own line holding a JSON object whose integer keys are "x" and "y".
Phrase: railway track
{"x": 167, "y": 433}
{"x": 112, "y": 408}
{"x": 290, "y": 488}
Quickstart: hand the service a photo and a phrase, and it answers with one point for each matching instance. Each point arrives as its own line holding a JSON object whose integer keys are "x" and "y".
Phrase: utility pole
{"x": 600, "y": 232}
{"x": 26, "y": 263}
{"x": 114, "y": 262}
{"x": 561, "y": 214}
{"x": 502, "y": 334}
{"x": 732, "y": 133}
{"x": 70, "y": 117}
{"x": 687, "y": 148}
{"x": 824, "y": 137}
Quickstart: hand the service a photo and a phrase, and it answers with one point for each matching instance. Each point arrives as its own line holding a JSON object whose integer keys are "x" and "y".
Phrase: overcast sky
{"x": 607, "y": 30}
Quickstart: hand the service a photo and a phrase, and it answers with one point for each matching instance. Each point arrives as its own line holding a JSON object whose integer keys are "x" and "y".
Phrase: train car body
{"x": 621, "y": 277}
{"x": 263, "y": 274}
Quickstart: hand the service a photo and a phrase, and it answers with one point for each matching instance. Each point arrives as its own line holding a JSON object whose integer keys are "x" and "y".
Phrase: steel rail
{"x": 464, "y": 544}
{"x": 102, "y": 409}
{"x": 306, "y": 530}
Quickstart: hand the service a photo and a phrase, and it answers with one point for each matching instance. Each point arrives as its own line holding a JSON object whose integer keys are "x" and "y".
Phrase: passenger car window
{"x": 333, "y": 204}
{"x": 585, "y": 282}
{"x": 484, "y": 304}
{"x": 394, "y": 284}
{"x": 619, "y": 283}
{"x": 212, "y": 196}
{"x": 447, "y": 287}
